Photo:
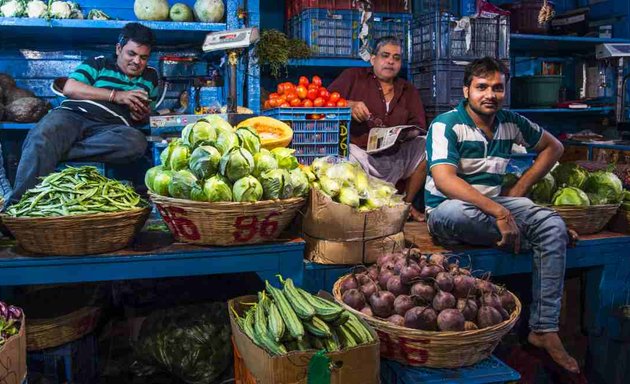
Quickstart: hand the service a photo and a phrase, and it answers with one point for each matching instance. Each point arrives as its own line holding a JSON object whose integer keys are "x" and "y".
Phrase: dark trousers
{"x": 63, "y": 135}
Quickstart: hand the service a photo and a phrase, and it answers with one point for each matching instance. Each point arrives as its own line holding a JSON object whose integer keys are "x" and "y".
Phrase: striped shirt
{"x": 454, "y": 139}
{"x": 103, "y": 72}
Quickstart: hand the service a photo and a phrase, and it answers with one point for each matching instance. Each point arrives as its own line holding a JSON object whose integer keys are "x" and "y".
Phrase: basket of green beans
{"x": 76, "y": 211}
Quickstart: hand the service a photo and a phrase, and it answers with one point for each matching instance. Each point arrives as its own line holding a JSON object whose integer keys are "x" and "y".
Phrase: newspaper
{"x": 382, "y": 138}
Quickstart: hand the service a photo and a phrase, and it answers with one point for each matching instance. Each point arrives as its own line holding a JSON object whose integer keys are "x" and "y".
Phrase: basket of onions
{"x": 429, "y": 312}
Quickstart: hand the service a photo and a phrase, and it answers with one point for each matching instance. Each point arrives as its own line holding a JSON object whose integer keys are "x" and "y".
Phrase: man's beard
{"x": 482, "y": 112}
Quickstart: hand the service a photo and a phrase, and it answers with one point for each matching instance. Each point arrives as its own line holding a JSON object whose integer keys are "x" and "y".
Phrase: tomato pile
{"x": 305, "y": 94}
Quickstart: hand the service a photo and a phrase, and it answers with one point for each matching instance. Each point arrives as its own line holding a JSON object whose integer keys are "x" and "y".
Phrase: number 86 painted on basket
{"x": 247, "y": 227}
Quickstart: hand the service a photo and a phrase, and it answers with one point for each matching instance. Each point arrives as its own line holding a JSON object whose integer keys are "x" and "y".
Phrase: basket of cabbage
{"x": 218, "y": 186}
{"x": 585, "y": 200}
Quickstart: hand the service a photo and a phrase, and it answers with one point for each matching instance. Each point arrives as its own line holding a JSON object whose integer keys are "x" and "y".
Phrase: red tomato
{"x": 312, "y": 94}
{"x": 313, "y": 86}
{"x": 273, "y": 102}
{"x": 301, "y": 91}
{"x": 342, "y": 103}
{"x": 324, "y": 94}
{"x": 303, "y": 81}
{"x": 291, "y": 95}
{"x": 307, "y": 103}
{"x": 273, "y": 95}
{"x": 315, "y": 116}
{"x": 288, "y": 87}
{"x": 334, "y": 97}
{"x": 280, "y": 89}
{"x": 317, "y": 81}
{"x": 331, "y": 104}
{"x": 296, "y": 102}
{"x": 285, "y": 105}
{"x": 266, "y": 105}
{"x": 318, "y": 102}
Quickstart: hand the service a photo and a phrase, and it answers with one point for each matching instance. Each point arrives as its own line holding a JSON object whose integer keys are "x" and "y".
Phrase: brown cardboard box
{"x": 358, "y": 365}
{"x": 13, "y": 358}
{"x": 329, "y": 225}
{"x": 351, "y": 252}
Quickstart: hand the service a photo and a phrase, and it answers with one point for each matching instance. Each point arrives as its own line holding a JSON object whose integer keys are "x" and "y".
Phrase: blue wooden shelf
{"x": 557, "y": 44}
{"x": 592, "y": 110}
{"x": 16, "y": 126}
{"x": 35, "y": 31}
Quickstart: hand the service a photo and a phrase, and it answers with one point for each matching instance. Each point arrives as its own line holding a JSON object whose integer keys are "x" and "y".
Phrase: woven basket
{"x": 226, "y": 223}
{"x": 434, "y": 349}
{"x": 50, "y": 333}
{"x": 586, "y": 220}
{"x": 77, "y": 235}
{"x": 620, "y": 222}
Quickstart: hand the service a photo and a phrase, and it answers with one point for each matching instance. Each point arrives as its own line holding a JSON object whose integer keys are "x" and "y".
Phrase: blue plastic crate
{"x": 520, "y": 162}
{"x": 391, "y": 24}
{"x": 316, "y": 138}
{"x": 490, "y": 370}
{"x": 329, "y": 32}
{"x": 71, "y": 363}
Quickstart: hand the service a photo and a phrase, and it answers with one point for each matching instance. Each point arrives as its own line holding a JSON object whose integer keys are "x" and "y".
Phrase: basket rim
{"x": 222, "y": 204}
{"x": 585, "y": 208}
{"x": 104, "y": 215}
{"x": 387, "y": 326}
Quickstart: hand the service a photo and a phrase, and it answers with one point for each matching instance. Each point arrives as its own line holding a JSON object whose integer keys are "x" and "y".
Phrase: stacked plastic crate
{"x": 442, "y": 45}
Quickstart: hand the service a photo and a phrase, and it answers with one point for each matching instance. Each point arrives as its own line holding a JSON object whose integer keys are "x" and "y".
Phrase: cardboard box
{"x": 351, "y": 252}
{"x": 329, "y": 225}
{"x": 358, "y": 365}
{"x": 13, "y": 358}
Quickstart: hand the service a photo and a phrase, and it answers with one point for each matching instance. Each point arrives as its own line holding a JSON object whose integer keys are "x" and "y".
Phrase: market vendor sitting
{"x": 379, "y": 98}
{"x": 107, "y": 96}
{"x": 468, "y": 150}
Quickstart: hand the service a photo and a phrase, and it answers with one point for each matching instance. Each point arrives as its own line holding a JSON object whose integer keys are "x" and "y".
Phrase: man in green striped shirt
{"x": 468, "y": 150}
{"x": 107, "y": 97}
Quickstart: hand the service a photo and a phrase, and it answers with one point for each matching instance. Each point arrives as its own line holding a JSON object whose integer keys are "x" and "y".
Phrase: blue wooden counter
{"x": 267, "y": 260}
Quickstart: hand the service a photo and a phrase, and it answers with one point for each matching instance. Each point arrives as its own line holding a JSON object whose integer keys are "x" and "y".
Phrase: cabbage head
{"x": 200, "y": 133}
{"x": 182, "y": 184}
{"x": 569, "y": 175}
{"x": 161, "y": 182}
{"x": 197, "y": 194}
{"x": 285, "y": 157}
{"x": 604, "y": 187}
{"x": 264, "y": 161}
{"x": 308, "y": 171}
{"x": 320, "y": 165}
{"x": 237, "y": 164}
{"x": 226, "y": 140}
{"x": 300, "y": 185}
{"x": 570, "y": 196}
{"x": 217, "y": 188}
{"x": 165, "y": 156}
{"x": 247, "y": 189}
{"x": 150, "y": 176}
{"x": 179, "y": 157}
{"x": 349, "y": 196}
{"x": 330, "y": 186}
{"x": 204, "y": 161}
{"x": 218, "y": 123}
{"x": 543, "y": 190}
{"x": 249, "y": 139}
{"x": 273, "y": 183}
{"x": 344, "y": 172}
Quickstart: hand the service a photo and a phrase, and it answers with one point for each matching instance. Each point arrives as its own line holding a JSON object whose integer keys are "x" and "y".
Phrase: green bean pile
{"x": 76, "y": 191}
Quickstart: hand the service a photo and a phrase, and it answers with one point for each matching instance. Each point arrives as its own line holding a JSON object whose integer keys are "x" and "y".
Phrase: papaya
{"x": 273, "y": 133}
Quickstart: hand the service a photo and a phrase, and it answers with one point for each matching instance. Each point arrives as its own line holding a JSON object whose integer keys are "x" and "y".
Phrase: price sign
{"x": 248, "y": 227}
{"x": 177, "y": 222}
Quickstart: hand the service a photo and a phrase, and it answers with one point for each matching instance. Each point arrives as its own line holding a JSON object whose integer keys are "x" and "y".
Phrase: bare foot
{"x": 550, "y": 342}
{"x": 573, "y": 238}
{"x": 416, "y": 215}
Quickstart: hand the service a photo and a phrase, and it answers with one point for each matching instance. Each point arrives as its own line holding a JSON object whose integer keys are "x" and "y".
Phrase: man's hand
{"x": 517, "y": 190}
{"x": 510, "y": 234}
{"x": 137, "y": 116}
{"x": 136, "y": 100}
{"x": 360, "y": 111}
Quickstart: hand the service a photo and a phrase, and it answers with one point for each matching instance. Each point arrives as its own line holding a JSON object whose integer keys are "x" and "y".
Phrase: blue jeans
{"x": 542, "y": 231}
{"x": 5, "y": 186}
{"x": 64, "y": 135}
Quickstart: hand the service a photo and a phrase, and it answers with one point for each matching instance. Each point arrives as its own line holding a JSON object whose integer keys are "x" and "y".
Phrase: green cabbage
{"x": 204, "y": 161}
{"x": 197, "y": 194}
{"x": 199, "y": 133}
{"x": 603, "y": 187}
{"x": 179, "y": 157}
{"x": 217, "y": 188}
{"x": 569, "y": 175}
{"x": 285, "y": 157}
{"x": 320, "y": 165}
{"x": 543, "y": 190}
{"x": 237, "y": 164}
{"x": 165, "y": 156}
{"x": 249, "y": 139}
{"x": 349, "y": 196}
{"x": 330, "y": 186}
{"x": 273, "y": 183}
{"x": 218, "y": 123}
{"x": 226, "y": 140}
{"x": 344, "y": 172}
{"x": 247, "y": 189}
{"x": 182, "y": 184}
{"x": 264, "y": 161}
{"x": 570, "y": 196}
{"x": 161, "y": 182}
{"x": 300, "y": 185}
{"x": 150, "y": 176}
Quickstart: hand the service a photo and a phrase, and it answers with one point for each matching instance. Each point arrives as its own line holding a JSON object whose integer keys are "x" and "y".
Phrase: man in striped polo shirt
{"x": 468, "y": 150}
{"x": 107, "y": 97}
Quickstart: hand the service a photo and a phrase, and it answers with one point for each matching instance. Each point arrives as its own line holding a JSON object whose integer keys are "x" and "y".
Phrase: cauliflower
{"x": 12, "y": 8}
{"x": 75, "y": 10}
{"x": 60, "y": 10}
{"x": 36, "y": 9}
